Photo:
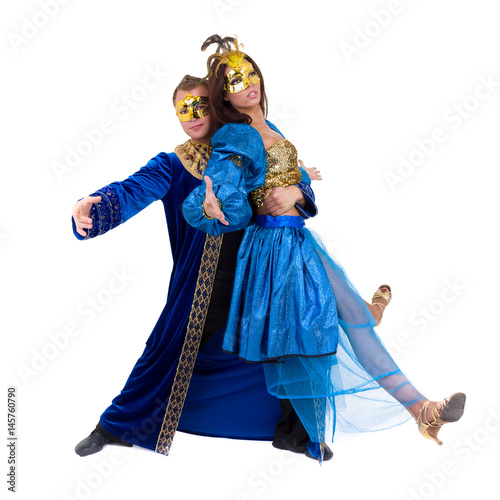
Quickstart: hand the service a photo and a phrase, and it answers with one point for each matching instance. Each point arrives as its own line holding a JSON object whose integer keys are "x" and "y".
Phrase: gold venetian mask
{"x": 192, "y": 106}
{"x": 240, "y": 78}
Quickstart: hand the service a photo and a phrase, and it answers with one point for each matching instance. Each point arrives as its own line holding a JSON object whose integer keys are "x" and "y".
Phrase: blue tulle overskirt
{"x": 295, "y": 310}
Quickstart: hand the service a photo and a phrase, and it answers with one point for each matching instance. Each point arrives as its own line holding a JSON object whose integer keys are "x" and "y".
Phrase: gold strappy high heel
{"x": 452, "y": 409}
{"x": 379, "y": 294}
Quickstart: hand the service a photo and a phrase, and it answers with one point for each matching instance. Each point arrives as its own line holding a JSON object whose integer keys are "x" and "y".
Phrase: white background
{"x": 354, "y": 112}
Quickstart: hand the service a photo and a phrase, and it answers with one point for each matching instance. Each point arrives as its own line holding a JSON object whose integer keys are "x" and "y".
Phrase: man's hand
{"x": 211, "y": 206}
{"x": 279, "y": 200}
{"x": 81, "y": 211}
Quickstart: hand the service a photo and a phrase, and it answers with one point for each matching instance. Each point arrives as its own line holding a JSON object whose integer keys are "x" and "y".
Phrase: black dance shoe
{"x": 301, "y": 448}
{"x": 96, "y": 441}
{"x": 293, "y": 446}
{"x": 327, "y": 453}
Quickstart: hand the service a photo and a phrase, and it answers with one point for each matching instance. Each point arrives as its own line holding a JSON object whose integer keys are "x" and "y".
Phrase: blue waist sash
{"x": 280, "y": 221}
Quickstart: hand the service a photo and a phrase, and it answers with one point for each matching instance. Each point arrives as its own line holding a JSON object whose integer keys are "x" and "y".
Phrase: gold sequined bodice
{"x": 282, "y": 170}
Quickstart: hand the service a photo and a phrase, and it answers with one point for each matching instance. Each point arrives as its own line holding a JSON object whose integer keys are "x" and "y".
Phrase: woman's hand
{"x": 313, "y": 172}
{"x": 81, "y": 211}
{"x": 211, "y": 206}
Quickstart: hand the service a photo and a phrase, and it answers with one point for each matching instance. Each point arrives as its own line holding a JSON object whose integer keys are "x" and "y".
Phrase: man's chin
{"x": 199, "y": 138}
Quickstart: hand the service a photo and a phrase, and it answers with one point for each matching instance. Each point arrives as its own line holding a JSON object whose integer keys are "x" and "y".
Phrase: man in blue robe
{"x": 183, "y": 381}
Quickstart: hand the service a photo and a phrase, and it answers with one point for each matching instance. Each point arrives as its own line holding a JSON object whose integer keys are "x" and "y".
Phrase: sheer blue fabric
{"x": 293, "y": 307}
{"x": 295, "y": 310}
{"x": 360, "y": 388}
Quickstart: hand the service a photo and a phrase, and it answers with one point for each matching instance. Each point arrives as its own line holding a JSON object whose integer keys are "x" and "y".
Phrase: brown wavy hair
{"x": 188, "y": 83}
{"x": 223, "y": 111}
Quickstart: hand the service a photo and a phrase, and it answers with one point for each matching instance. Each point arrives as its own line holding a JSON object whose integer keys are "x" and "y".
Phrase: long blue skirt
{"x": 295, "y": 310}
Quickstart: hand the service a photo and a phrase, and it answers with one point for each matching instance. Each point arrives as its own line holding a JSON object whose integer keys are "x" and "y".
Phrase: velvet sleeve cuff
{"x": 309, "y": 209}
{"x": 105, "y": 215}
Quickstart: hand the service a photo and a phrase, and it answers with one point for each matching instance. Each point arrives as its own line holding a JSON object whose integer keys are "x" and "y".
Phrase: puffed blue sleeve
{"x": 122, "y": 200}
{"x": 236, "y": 166}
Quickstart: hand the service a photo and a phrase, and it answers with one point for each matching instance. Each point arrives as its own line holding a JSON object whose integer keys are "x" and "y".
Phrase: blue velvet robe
{"x": 226, "y": 396}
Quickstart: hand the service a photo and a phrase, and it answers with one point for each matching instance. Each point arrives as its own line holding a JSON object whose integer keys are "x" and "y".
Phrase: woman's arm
{"x": 236, "y": 166}
{"x": 220, "y": 204}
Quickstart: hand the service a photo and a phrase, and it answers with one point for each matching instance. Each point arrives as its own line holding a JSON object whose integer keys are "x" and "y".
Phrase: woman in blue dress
{"x": 293, "y": 307}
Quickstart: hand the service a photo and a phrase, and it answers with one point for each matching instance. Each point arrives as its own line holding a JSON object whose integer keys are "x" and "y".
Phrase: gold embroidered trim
{"x": 194, "y": 157}
{"x": 205, "y": 213}
{"x": 201, "y": 301}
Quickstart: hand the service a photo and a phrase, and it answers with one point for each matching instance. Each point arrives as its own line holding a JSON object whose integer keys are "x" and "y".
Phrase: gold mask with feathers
{"x": 242, "y": 74}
